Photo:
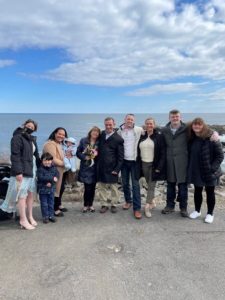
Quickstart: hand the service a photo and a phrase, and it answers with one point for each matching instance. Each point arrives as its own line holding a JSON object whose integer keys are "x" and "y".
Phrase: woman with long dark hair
{"x": 205, "y": 157}
{"x": 54, "y": 147}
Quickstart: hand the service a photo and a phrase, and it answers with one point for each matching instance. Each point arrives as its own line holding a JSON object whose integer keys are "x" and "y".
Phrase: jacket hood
{"x": 70, "y": 139}
{"x": 20, "y": 130}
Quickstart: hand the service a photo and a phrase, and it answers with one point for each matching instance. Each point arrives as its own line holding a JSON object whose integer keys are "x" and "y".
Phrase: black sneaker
{"x": 52, "y": 219}
{"x": 63, "y": 209}
{"x": 167, "y": 210}
{"x": 184, "y": 213}
{"x": 113, "y": 209}
{"x": 45, "y": 221}
{"x": 60, "y": 214}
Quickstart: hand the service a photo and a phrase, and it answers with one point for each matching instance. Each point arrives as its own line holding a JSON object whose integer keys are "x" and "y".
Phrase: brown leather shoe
{"x": 137, "y": 214}
{"x": 103, "y": 209}
{"x": 127, "y": 205}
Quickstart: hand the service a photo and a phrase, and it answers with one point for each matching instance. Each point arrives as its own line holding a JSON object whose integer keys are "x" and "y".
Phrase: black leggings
{"x": 89, "y": 193}
{"x": 210, "y": 198}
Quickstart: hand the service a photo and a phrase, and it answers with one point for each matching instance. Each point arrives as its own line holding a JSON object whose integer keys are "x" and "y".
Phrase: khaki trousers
{"x": 147, "y": 171}
{"x": 104, "y": 188}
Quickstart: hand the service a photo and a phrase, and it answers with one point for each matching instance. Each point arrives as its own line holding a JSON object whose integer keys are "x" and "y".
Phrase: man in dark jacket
{"x": 111, "y": 153}
{"x": 175, "y": 133}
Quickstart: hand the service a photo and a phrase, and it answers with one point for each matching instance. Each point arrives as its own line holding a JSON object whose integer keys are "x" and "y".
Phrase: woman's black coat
{"x": 159, "y": 161}
{"x": 211, "y": 158}
{"x": 111, "y": 155}
{"x": 86, "y": 173}
{"x": 22, "y": 153}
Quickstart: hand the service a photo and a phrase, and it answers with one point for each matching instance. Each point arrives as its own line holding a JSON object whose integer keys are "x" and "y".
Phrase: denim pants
{"x": 182, "y": 194}
{"x": 47, "y": 205}
{"x": 129, "y": 170}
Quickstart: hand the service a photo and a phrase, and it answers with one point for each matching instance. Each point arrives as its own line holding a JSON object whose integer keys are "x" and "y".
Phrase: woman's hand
{"x": 19, "y": 177}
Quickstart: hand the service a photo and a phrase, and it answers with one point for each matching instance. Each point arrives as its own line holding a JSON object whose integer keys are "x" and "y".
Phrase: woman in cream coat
{"x": 54, "y": 147}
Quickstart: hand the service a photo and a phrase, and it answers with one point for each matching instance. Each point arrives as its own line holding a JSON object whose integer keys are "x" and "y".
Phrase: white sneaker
{"x": 209, "y": 218}
{"x": 147, "y": 211}
{"x": 194, "y": 215}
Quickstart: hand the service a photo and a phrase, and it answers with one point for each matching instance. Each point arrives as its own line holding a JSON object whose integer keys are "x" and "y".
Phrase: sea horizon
{"x": 78, "y": 124}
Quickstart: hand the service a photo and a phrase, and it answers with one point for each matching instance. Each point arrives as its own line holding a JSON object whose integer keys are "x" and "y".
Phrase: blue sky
{"x": 107, "y": 56}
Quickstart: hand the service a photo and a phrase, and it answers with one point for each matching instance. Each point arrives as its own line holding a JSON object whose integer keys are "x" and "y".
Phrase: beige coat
{"x": 55, "y": 149}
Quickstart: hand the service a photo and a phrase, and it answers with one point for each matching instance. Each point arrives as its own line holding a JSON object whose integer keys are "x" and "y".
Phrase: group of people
{"x": 178, "y": 153}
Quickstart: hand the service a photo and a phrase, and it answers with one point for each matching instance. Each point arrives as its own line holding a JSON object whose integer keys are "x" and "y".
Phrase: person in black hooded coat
{"x": 22, "y": 184}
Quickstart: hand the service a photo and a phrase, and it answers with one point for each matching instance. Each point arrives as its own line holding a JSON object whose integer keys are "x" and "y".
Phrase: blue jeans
{"x": 182, "y": 194}
{"x": 47, "y": 205}
{"x": 129, "y": 169}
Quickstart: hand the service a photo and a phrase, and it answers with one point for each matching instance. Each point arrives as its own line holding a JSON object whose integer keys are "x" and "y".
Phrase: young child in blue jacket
{"x": 47, "y": 176}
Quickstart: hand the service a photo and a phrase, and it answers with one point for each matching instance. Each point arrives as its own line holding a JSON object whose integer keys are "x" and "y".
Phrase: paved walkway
{"x": 104, "y": 257}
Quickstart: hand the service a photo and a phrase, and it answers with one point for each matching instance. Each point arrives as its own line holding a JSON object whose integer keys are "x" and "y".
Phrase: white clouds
{"x": 172, "y": 88}
{"x": 218, "y": 95}
{"x": 120, "y": 43}
{"x": 6, "y": 63}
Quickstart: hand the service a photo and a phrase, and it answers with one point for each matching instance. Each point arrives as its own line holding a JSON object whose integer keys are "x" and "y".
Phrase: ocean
{"x": 77, "y": 125}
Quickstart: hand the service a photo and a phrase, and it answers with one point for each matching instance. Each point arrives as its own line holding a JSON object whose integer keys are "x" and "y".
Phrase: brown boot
{"x": 103, "y": 209}
{"x": 137, "y": 214}
{"x": 127, "y": 205}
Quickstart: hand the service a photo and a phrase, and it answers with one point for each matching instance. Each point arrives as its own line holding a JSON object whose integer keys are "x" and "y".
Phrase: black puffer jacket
{"x": 211, "y": 158}
{"x": 159, "y": 161}
{"x": 22, "y": 153}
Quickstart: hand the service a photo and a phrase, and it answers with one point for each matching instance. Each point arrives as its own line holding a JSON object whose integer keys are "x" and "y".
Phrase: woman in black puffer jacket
{"x": 22, "y": 184}
{"x": 205, "y": 157}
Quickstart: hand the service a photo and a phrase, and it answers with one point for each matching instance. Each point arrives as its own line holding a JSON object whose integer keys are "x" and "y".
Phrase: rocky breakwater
{"x": 74, "y": 192}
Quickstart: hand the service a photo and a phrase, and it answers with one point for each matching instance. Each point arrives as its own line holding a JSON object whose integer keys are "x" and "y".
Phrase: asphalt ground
{"x": 113, "y": 256}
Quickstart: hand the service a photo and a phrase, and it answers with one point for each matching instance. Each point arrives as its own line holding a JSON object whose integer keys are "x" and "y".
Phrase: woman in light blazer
{"x": 54, "y": 147}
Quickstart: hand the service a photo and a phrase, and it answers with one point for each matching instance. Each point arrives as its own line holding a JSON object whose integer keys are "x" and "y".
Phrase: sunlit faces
{"x": 30, "y": 125}
{"x": 60, "y": 135}
{"x": 175, "y": 119}
{"x": 47, "y": 163}
{"x": 149, "y": 125}
{"x": 197, "y": 128}
{"x": 129, "y": 121}
{"x": 94, "y": 134}
{"x": 109, "y": 126}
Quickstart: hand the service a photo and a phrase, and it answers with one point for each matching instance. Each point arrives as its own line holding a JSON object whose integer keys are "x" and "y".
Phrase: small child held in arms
{"x": 47, "y": 176}
{"x": 70, "y": 149}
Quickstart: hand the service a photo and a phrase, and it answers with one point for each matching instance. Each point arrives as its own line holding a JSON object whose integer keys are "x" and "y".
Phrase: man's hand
{"x": 114, "y": 173}
{"x": 214, "y": 137}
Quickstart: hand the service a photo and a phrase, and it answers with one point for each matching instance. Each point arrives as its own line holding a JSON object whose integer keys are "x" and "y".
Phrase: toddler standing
{"x": 47, "y": 176}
